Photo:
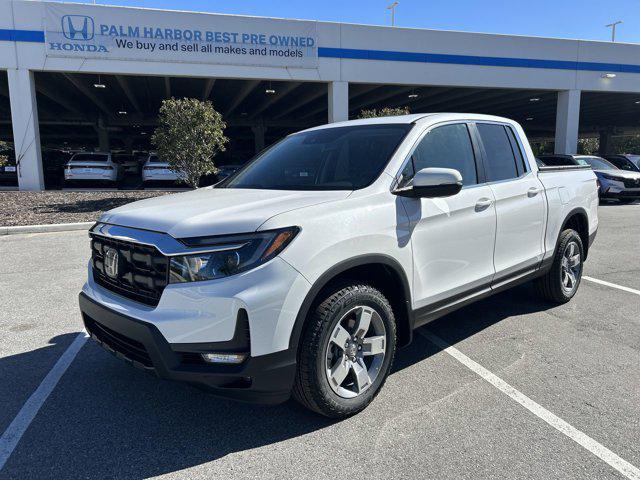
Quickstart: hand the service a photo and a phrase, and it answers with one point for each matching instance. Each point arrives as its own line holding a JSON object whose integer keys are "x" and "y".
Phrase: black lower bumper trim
{"x": 264, "y": 379}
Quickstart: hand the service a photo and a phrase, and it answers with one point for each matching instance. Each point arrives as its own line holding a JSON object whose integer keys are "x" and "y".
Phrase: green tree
{"x": 3, "y": 158}
{"x": 189, "y": 135}
{"x": 384, "y": 112}
{"x": 588, "y": 146}
{"x": 625, "y": 144}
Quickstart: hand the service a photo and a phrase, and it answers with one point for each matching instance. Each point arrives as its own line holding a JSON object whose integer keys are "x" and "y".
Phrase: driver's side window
{"x": 448, "y": 146}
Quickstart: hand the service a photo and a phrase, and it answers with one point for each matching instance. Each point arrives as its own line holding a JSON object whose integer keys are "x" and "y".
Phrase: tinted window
{"x": 339, "y": 158}
{"x": 635, "y": 159}
{"x": 558, "y": 161}
{"x": 623, "y": 163}
{"x": 500, "y": 162}
{"x": 448, "y": 146}
{"x": 87, "y": 157}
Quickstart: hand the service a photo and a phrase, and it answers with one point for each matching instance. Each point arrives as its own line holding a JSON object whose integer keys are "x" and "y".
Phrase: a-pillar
{"x": 338, "y": 101}
{"x": 26, "y": 134}
{"x": 567, "y": 122}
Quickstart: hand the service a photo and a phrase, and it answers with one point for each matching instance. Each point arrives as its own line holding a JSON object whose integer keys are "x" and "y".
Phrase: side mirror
{"x": 432, "y": 183}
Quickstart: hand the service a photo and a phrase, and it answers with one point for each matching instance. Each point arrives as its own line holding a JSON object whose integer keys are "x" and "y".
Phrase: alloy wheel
{"x": 571, "y": 267}
{"x": 355, "y": 351}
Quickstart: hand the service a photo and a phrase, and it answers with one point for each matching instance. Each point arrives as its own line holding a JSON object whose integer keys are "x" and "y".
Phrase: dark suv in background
{"x": 615, "y": 183}
{"x": 625, "y": 162}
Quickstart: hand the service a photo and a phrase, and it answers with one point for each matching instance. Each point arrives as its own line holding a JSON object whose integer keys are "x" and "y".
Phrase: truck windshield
{"x": 339, "y": 158}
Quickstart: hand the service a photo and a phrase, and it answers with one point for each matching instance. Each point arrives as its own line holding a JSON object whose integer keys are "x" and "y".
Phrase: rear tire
{"x": 346, "y": 351}
{"x": 561, "y": 282}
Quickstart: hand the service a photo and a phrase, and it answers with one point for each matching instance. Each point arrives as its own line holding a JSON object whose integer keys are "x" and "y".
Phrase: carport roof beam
{"x": 83, "y": 88}
{"x": 57, "y": 98}
{"x": 241, "y": 95}
{"x": 380, "y": 97}
{"x": 208, "y": 87}
{"x": 126, "y": 88}
{"x": 302, "y": 101}
{"x": 281, "y": 94}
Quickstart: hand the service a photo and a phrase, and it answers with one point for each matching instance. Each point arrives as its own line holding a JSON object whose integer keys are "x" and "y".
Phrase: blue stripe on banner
{"x": 473, "y": 60}
{"x": 34, "y": 36}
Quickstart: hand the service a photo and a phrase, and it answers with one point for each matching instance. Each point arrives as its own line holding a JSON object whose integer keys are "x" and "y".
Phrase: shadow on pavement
{"x": 106, "y": 419}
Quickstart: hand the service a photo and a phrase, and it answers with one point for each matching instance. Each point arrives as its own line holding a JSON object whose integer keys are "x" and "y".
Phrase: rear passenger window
{"x": 500, "y": 163}
{"x": 448, "y": 146}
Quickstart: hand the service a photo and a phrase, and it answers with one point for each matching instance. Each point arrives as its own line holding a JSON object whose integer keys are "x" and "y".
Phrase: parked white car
{"x": 155, "y": 170}
{"x": 306, "y": 270}
{"x": 90, "y": 166}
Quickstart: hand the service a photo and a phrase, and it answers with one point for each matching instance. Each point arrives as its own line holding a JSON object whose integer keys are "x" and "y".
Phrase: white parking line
{"x": 602, "y": 452}
{"x": 29, "y": 410}
{"x": 612, "y": 285}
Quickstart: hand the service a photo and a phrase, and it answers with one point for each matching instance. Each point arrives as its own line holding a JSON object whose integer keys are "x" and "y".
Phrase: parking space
{"x": 435, "y": 418}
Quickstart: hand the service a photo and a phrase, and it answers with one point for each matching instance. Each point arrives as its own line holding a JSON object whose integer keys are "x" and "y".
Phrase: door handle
{"x": 533, "y": 191}
{"x": 483, "y": 204}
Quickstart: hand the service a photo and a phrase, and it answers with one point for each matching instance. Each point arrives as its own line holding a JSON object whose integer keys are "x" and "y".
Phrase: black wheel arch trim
{"x": 341, "y": 267}
{"x": 585, "y": 244}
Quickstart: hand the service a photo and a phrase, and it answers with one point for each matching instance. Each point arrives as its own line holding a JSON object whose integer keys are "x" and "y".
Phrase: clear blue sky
{"x": 584, "y": 19}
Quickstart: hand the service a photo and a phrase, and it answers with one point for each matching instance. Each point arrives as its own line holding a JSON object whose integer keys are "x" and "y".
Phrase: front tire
{"x": 346, "y": 351}
{"x": 561, "y": 282}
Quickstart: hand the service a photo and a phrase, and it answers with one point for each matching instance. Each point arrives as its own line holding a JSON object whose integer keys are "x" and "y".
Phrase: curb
{"x": 56, "y": 227}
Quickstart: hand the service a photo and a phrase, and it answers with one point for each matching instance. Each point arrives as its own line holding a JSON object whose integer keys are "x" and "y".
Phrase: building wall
{"x": 346, "y": 53}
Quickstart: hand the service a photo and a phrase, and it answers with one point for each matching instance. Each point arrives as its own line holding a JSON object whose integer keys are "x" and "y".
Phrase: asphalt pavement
{"x": 435, "y": 418}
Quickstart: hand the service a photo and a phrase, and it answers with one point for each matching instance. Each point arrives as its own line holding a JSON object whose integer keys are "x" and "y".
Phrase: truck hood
{"x": 214, "y": 211}
{"x": 621, "y": 174}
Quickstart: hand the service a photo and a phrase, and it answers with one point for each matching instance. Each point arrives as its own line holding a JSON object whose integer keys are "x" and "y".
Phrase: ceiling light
{"x": 413, "y": 95}
{"x": 122, "y": 112}
{"x": 534, "y": 99}
{"x": 143, "y": 133}
{"x": 637, "y": 102}
{"x": 244, "y": 114}
{"x": 529, "y": 119}
{"x": 609, "y": 75}
{"x": 99, "y": 83}
{"x": 270, "y": 91}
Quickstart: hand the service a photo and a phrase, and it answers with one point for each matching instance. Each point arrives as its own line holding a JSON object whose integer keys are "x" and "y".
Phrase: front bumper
{"x": 263, "y": 379}
{"x": 620, "y": 192}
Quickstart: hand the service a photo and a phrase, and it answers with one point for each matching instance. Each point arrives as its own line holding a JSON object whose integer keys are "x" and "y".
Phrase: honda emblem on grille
{"x": 111, "y": 262}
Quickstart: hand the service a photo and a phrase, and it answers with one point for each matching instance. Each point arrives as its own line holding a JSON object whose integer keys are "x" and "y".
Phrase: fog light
{"x": 233, "y": 358}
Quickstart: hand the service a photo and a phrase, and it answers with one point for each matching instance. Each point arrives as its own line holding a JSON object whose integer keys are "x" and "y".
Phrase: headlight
{"x": 229, "y": 254}
{"x": 612, "y": 178}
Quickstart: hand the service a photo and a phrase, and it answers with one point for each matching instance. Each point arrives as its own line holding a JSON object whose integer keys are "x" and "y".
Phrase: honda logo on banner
{"x": 78, "y": 27}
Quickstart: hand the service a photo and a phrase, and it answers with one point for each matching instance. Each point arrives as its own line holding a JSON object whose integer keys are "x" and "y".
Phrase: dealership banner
{"x": 85, "y": 31}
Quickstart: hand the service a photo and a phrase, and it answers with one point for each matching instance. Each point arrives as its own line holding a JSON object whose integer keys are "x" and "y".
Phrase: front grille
{"x": 631, "y": 183}
{"x": 128, "y": 348}
{"x": 143, "y": 271}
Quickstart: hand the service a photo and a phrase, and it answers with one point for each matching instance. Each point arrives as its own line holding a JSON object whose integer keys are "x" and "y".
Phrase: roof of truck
{"x": 412, "y": 118}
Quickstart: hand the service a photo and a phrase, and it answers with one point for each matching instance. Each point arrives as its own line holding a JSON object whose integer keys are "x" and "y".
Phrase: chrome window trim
{"x": 165, "y": 243}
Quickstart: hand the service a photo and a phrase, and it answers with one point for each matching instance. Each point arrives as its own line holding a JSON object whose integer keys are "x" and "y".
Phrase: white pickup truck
{"x": 303, "y": 272}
